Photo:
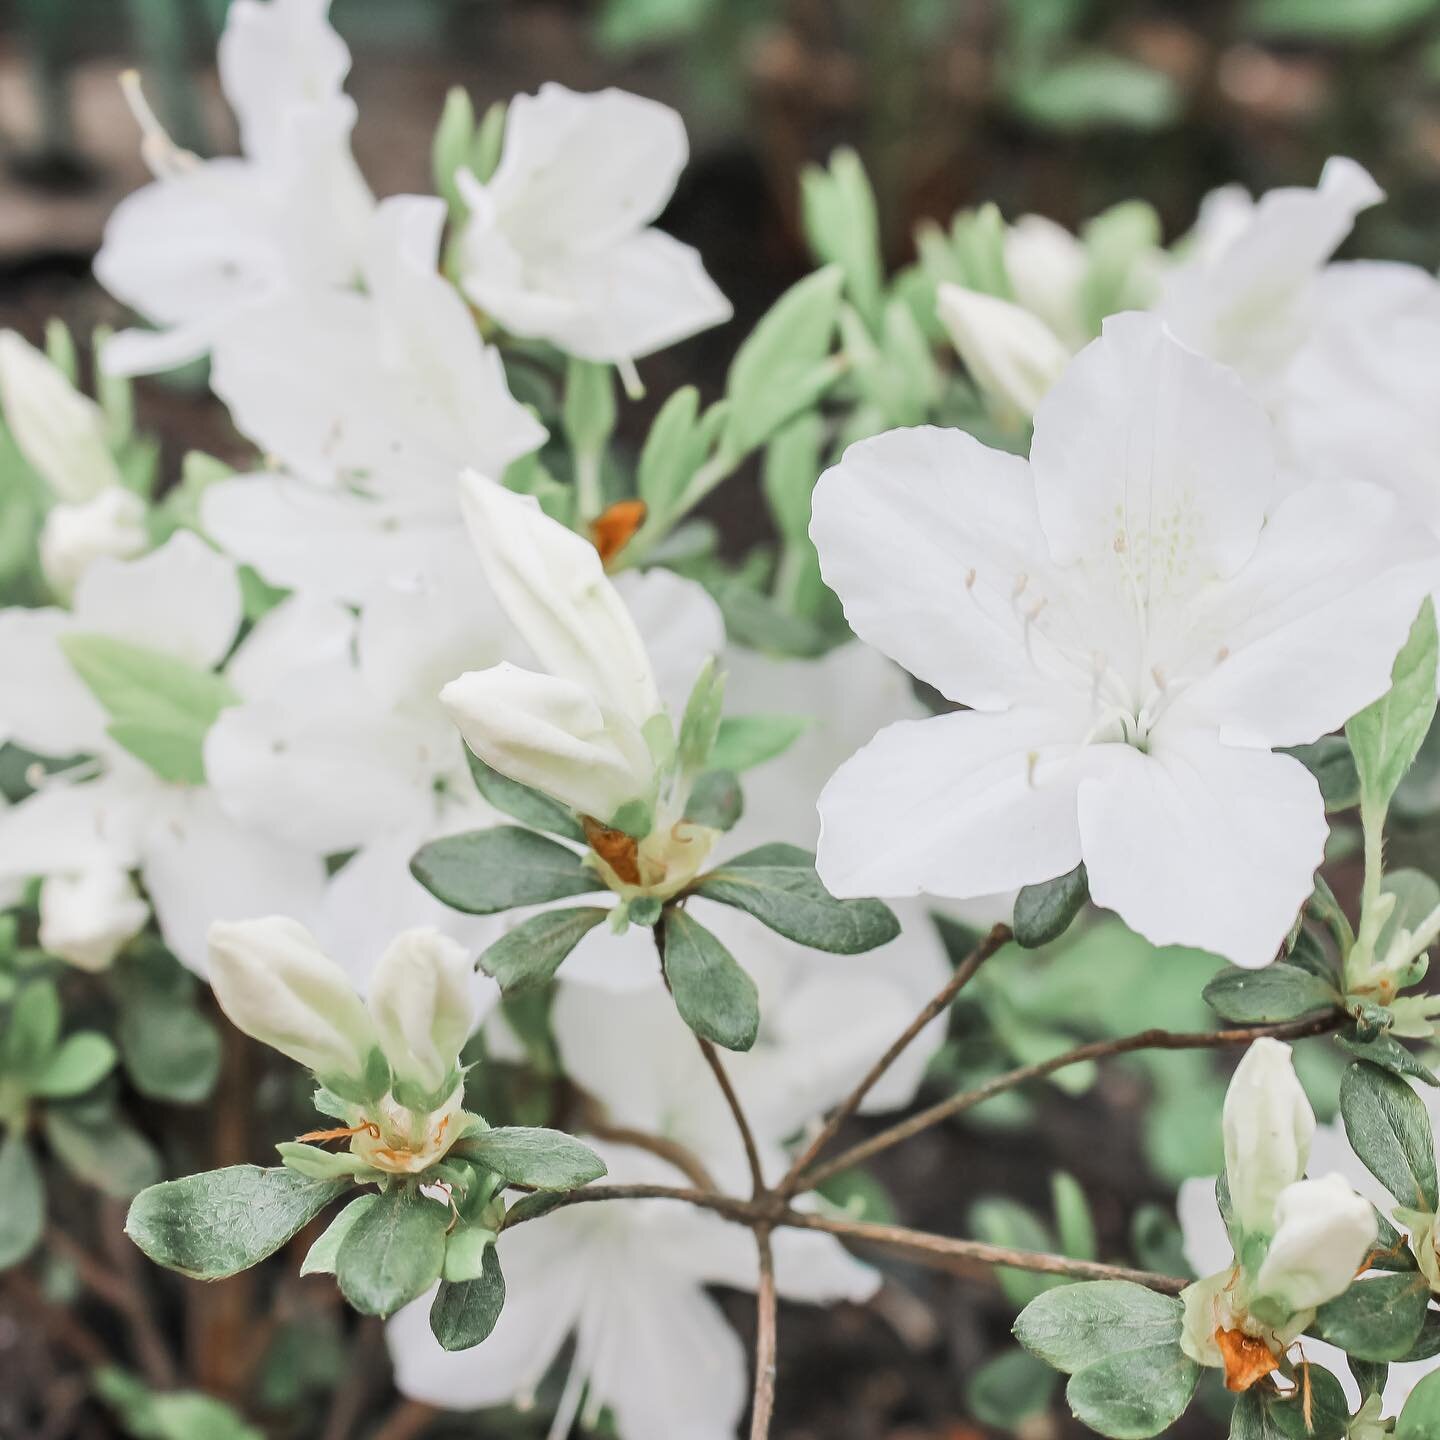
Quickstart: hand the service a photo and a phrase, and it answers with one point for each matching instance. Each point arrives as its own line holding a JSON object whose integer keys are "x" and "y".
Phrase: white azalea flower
{"x": 1268, "y": 1125}
{"x": 1136, "y": 624}
{"x": 207, "y": 239}
{"x": 357, "y": 755}
{"x": 1046, "y": 266}
{"x": 113, "y": 812}
{"x": 394, "y": 384}
{"x": 559, "y": 244}
{"x": 1011, "y": 354}
{"x": 1247, "y": 293}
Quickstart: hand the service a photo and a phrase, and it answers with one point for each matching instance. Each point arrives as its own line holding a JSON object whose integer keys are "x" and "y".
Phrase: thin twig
{"x": 752, "y": 1153}
{"x": 680, "y": 1156}
{"x": 1096, "y": 1050}
{"x": 766, "y": 1306}
{"x": 919, "y": 1245}
{"x": 744, "y": 1212}
{"x": 964, "y": 972}
{"x": 152, "y": 1349}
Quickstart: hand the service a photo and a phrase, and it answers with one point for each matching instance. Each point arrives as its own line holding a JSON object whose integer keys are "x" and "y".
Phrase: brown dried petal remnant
{"x": 1247, "y": 1359}
{"x": 611, "y": 531}
{"x": 617, "y": 849}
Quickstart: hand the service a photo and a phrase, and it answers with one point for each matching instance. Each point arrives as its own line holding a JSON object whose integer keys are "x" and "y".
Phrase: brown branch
{"x": 752, "y": 1154}
{"x": 926, "y": 1248}
{"x": 763, "y": 1405}
{"x": 407, "y": 1420}
{"x": 680, "y": 1156}
{"x": 1095, "y": 1050}
{"x": 796, "y": 1177}
{"x": 742, "y": 1211}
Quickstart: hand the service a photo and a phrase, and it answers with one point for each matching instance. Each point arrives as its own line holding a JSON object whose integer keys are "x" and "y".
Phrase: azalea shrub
{"x": 596, "y": 881}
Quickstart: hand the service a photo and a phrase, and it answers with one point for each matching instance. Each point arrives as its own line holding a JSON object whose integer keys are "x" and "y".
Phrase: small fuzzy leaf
{"x": 1280, "y": 991}
{"x": 527, "y": 956}
{"x": 320, "y": 1258}
{"x": 777, "y": 884}
{"x": 748, "y": 740}
{"x": 1420, "y": 1418}
{"x": 715, "y": 800}
{"x": 524, "y": 804}
{"x": 221, "y": 1222}
{"x": 79, "y": 1062}
{"x": 1389, "y": 1129}
{"x": 1043, "y": 912}
{"x": 524, "y": 1155}
{"x": 464, "y": 1312}
{"x": 393, "y": 1252}
{"x": 22, "y": 1213}
{"x": 1378, "y": 1318}
{"x": 714, "y": 995}
{"x": 485, "y": 871}
{"x": 1332, "y": 763}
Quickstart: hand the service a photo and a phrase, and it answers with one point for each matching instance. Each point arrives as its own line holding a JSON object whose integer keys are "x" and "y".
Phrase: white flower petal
{"x": 44, "y": 704}
{"x": 1204, "y": 844}
{"x": 933, "y": 543}
{"x": 959, "y": 805}
{"x": 680, "y": 625}
{"x": 182, "y": 599}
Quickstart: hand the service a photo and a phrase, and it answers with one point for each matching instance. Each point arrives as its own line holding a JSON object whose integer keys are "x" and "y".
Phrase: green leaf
{"x": 80, "y": 1061}
{"x": 1095, "y": 89}
{"x": 485, "y": 871}
{"x": 1120, "y": 1343}
{"x": 1043, "y": 912}
{"x": 529, "y": 955}
{"x": 543, "y": 1159}
{"x": 788, "y": 474}
{"x": 999, "y": 1221}
{"x": 715, "y": 800}
{"x": 1008, "y": 1389}
{"x": 1336, "y": 21}
{"x": 1416, "y": 896}
{"x": 1262, "y": 1415}
{"x": 450, "y": 149}
{"x": 160, "y": 707}
{"x": 22, "y": 1213}
{"x": 1073, "y": 1220}
{"x": 171, "y": 1051}
{"x": 1332, "y": 764}
{"x": 32, "y": 1030}
{"x": 714, "y": 996}
{"x": 1420, "y": 1418}
{"x": 221, "y": 1222}
{"x": 1378, "y": 1318}
{"x": 1389, "y": 1054}
{"x": 393, "y": 1252}
{"x": 701, "y": 722}
{"x": 842, "y": 228}
{"x": 1389, "y": 1129}
{"x": 588, "y": 414}
{"x": 1386, "y": 736}
{"x": 320, "y": 1258}
{"x": 169, "y": 1415}
{"x": 1427, "y": 1343}
{"x": 672, "y": 453}
{"x": 748, "y": 740}
{"x": 102, "y": 1150}
{"x": 777, "y": 884}
{"x": 782, "y": 367}
{"x": 464, "y": 1312}
{"x": 1279, "y": 991}
{"x": 530, "y": 807}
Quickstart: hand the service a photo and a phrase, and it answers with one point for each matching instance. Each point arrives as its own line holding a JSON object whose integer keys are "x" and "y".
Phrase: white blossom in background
{"x": 373, "y": 402}
{"x": 1137, "y": 624}
{"x": 1208, "y": 1248}
{"x": 560, "y": 244}
{"x": 112, "y": 813}
{"x": 86, "y": 917}
{"x": 627, "y": 1280}
{"x": 356, "y": 755}
{"x": 1294, "y": 1243}
{"x": 206, "y": 239}
{"x": 1011, "y": 354}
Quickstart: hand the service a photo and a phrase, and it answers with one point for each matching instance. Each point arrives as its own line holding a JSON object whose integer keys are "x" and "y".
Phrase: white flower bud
{"x": 553, "y": 587}
{"x": 278, "y": 986}
{"x": 86, "y": 918}
{"x": 1268, "y": 1125}
{"x": 1012, "y": 355}
{"x": 1323, "y": 1231}
{"x": 553, "y": 735}
{"x": 420, "y": 1001}
{"x": 1047, "y": 267}
{"x": 59, "y": 431}
{"x": 78, "y": 532}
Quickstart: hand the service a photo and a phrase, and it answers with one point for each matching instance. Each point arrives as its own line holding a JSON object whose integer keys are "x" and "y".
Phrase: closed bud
{"x": 419, "y": 998}
{"x": 1012, "y": 355}
{"x": 553, "y": 586}
{"x": 59, "y": 431}
{"x": 86, "y": 918}
{"x": 1046, "y": 266}
{"x": 553, "y": 735}
{"x": 277, "y": 985}
{"x": 76, "y": 533}
{"x": 1268, "y": 1125}
{"x": 1323, "y": 1231}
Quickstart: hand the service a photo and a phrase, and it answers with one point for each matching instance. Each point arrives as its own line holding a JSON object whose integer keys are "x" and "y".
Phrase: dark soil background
{"x": 925, "y": 89}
